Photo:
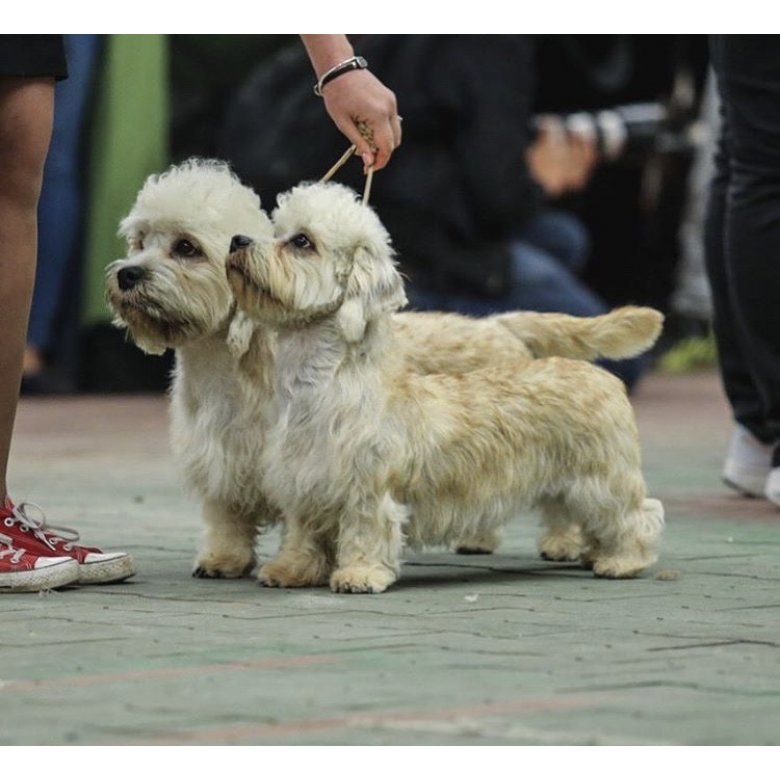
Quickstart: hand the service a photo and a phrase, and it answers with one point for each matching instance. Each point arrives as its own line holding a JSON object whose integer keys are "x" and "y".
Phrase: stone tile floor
{"x": 485, "y": 650}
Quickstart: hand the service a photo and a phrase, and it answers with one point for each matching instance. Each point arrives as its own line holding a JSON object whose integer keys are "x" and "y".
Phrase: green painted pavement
{"x": 502, "y": 649}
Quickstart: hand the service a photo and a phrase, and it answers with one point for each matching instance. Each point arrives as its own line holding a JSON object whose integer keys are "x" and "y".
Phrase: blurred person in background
{"x": 634, "y": 203}
{"x": 49, "y": 361}
{"x": 742, "y": 251}
{"x": 468, "y": 201}
{"x": 33, "y": 555}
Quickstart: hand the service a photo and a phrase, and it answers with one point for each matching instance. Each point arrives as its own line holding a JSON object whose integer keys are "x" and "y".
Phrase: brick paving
{"x": 503, "y": 650}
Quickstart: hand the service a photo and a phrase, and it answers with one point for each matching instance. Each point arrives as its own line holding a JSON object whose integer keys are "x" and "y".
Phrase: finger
{"x": 384, "y": 139}
{"x": 592, "y": 155}
{"x": 395, "y": 124}
{"x": 385, "y": 133}
{"x": 362, "y": 147}
{"x": 587, "y": 148}
{"x": 382, "y": 157}
{"x": 554, "y": 131}
{"x": 587, "y": 159}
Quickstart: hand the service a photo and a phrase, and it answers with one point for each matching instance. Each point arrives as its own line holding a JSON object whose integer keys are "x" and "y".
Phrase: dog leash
{"x": 368, "y": 134}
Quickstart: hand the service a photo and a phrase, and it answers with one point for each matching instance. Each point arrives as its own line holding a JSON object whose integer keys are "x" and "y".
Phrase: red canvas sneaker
{"x": 21, "y": 571}
{"x": 37, "y": 537}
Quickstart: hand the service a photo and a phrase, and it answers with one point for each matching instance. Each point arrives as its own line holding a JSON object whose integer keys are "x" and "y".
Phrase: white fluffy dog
{"x": 171, "y": 291}
{"x": 363, "y": 453}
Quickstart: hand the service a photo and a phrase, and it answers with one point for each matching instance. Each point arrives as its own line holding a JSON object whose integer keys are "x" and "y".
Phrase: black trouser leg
{"x": 743, "y": 229}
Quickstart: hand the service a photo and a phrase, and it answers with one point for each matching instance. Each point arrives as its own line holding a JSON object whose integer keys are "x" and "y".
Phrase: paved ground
{"x": 502, "y": 649}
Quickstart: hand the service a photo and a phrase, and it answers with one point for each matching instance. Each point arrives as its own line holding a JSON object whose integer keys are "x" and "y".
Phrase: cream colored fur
{"x": 216, "y": 425}
{"x": 364, "y": 453}
{"x": 186, "y": 303}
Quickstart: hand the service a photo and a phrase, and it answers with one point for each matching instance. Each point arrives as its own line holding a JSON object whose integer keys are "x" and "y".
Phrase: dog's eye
{"x": 301, "y": 241}
{"x": 136, "y": 243}
{"x": 184, "y": 248}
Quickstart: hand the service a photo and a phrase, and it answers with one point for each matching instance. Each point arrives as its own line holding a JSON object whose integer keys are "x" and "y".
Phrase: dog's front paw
{"x": 216, "y": 567}
{"x": 284, "y": 573}
{"x": 361, "y": 579}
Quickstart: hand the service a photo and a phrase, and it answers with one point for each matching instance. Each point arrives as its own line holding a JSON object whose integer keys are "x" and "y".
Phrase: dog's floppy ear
{"x": 149, "y": 347}
{"x": 239, "y": 335}
{"x": 251, "y": 346}
{"x": 375, "y": 287}
{"x": 352, "y": 320}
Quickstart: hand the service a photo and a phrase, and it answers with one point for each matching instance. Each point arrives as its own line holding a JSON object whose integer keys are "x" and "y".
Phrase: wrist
{"x": 348, "y": 65}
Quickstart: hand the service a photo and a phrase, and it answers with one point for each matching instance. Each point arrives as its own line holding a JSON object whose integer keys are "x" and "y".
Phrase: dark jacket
{"x": 457, "y": 189}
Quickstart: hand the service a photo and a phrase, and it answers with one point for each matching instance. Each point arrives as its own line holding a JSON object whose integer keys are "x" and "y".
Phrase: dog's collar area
{"x": 298, "y": 317}
{"x": 316, "y": 314}
{"x": 234, "y": 266}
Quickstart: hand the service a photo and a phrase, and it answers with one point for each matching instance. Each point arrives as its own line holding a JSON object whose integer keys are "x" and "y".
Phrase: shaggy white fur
{"x": 363, "y": 453}
{"x": 171, "y": 291}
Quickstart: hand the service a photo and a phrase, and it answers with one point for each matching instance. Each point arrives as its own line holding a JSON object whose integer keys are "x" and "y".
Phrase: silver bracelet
{"x": 353, "y": 63}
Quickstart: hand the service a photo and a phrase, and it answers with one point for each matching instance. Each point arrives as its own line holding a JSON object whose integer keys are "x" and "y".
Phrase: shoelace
{"x": 15, "y": 552}
{"x": 50, "y": 535}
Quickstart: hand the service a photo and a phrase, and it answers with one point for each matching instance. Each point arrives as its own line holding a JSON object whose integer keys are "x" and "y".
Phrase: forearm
{"x": 356, "y": 98}
{"x": 325, "y": 51}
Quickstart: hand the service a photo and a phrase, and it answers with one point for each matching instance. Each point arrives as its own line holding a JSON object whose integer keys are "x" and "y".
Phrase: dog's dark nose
{"x": 239, "y": 242}
{"x": 128, "y": 277}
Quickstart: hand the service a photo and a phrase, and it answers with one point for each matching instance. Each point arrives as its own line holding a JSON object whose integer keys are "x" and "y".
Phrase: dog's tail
{"x": 622, "y": 333}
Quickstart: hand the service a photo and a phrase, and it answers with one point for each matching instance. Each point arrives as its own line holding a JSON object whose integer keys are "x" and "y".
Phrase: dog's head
{"x": 330, "y": 255}
{"x": 171, "y": 288}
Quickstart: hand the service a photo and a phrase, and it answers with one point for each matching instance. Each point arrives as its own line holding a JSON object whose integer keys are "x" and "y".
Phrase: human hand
{"x": 360, "y": 97}
{"x": 560, "y": 161}
{"x": 582, "y": 160}
{"x": 546, "y": 157}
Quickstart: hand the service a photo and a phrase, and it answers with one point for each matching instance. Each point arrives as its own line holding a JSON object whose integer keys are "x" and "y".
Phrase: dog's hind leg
{"x": 229, "y": 546}
{"x": 369, "y": 547}
{"x": 562, "y": 538}
{"x": 622, "y": 536}
{"x": 305, "y": 559}
{"x": 479, "y": 543}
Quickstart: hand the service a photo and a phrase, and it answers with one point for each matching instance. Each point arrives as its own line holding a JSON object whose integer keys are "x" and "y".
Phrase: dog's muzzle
{"x": 236, "y": 261}
{"x": 128, "y": 277}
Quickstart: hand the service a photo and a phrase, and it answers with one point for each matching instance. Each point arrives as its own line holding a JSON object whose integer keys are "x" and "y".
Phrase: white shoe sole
{"x": 57, "y": 575}
{"x": 772, "y": 489}
{"x": 106, "y": 568}
{"x": 748, "y": 463}
{"x": 748, "y": 480}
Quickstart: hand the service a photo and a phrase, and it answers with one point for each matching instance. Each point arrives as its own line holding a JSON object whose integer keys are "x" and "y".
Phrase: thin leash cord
{"x": 341, "y": 162}
{"x": 367, "y": 133}
{"x": 367, "y": 188}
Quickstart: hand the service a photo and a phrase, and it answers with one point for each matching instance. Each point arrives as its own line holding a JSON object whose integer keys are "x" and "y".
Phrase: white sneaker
{"x": 772, "y": 489}
{"x": 39, "y": 538}
{"x": 21, "y": 571}
{"x": 748, "y": 464}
